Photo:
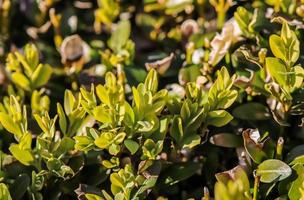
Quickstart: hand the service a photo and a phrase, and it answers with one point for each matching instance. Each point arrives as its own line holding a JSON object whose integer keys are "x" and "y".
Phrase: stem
{"x": 221, "y": 15}
{"x": 279, "y": 148}
{"x": 277, "y": 6}
{"x": 256, "y": 187}
{"x": 189, "y": 52}
{"x": 206, "y": 194}
{"x": 120, "y": 74}
{"x": 302, "y": 193}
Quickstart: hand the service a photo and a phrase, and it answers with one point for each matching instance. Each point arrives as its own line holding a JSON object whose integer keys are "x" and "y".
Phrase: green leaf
{"x": 54, "y": 164}
{"x": 20, "y": 186}
{"x": 177, "y": 131}
{"x": 148, "y": 183}
{"x": 41, "y": 75}
{"x": 27, "y": 68}
{"x": 185, "y": 110}
{"x": 103, "y": 94}
{"x": 106, "y": 195}
{"x": 102, "y": 114}
{"x": 23, "y": 156}
{"x": 8, "y": 123}
{"x": 253, "y": 148}
{"x": 151, "y": 82}
{"x": 119, "y": 138}
{"x": 119, "y": 196}
{"x": 252, "y": 111}
{"x": 41, "y": 123}
{"x": 178, "y": 172}
{"x": 116, "y": 180}
{"x": 93, "y": 197}
{"x": 151, "y": 149}
{"x": 173, "y": 8}
{"x": 294, "y": 153}
{"x": 76, "y": 118}
{"x": 218, "y": 118}
{"x": 84, "y": 143}
{"x": 37, "y": 181}
{"x": 277, "y": 46}
{"x": 160, "y": 134}
{"x": 107, "y": 164}
{"x": 294, "y": 190}
{"x": 31, "y": 55}
{"x": 149, "y": 125}
{"x": 237, "y": 173}
{"x": 298, "y": 160}
{"x": 273, "y": 170}
{"x": 104, "y": 140}
{"x": 62, "y": 119}
{"x": 299, "y": 76}
{"x": 226, "y": 140}
{"x": 131, "y": 145}
{"x": 25, "y": 141}
{"x": 243, "y": 18}
{"x": 4, "y": 192}
{"x": 277, "y": 70}
{"x": 292, "y": 44}
{"x": 191, "y": 141}
{"x": 136, "y": 98}
{"x": 129, "y": 116}
{"x": 107, "y": 12}
{"x": 114, "y": 149}
{"x": 196, "y": 120}
{"x": 227, "y": 99}
{"x": 65, "y": 145}
{"x": 21, "y": 80}
{"x": 120, "y": 36}
{"x": 189, "y": 74}
{"x": 69, "y": 101}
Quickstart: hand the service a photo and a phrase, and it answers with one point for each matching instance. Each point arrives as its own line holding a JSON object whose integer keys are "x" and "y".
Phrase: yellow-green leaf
{"x": 21, "y": 80}
{"x": 218, "y": 118}
{"x": 23, "y": 156}
{"x": 41, "y": 75}
{"x": 4, "y": 192}
{"x": 273, "y": 170}
{"x": 8, "y": 123}
{"x": 277, "y": 70}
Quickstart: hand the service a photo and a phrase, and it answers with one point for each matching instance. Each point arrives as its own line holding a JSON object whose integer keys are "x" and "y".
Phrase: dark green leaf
{"x": 251, "y": 111}
{"x": 226, "y": 140}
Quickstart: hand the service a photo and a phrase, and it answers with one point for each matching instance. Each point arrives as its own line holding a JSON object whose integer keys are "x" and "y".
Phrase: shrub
{"x": 217, "y": 113}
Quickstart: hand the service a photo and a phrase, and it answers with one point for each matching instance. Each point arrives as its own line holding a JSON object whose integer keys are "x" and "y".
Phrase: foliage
{"x": 167, "y": 99}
